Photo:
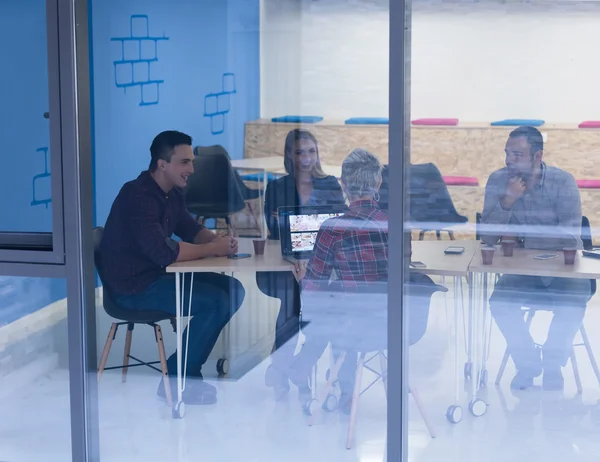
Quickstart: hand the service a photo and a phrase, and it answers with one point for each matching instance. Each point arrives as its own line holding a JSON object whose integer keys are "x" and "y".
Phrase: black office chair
{"x": 586, "y": 237}
{"x": 130, "y": 318}
{"x": 214, "y": 189}
{"x": 355, "y": 326}
{"x": 430, "y": 205}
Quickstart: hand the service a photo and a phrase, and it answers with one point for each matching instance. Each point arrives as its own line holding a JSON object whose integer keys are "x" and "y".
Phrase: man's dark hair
{"x": 533, "y": 136}
{"x": 163, "y": 145}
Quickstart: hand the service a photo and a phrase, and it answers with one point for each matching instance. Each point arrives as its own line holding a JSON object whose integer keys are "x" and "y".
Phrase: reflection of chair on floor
{"x": 363, "y": 330}
{"x": 130, "y": 318}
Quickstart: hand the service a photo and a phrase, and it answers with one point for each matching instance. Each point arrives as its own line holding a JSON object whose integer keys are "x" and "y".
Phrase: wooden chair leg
{"x": 590, "y": 352}
{"x": 421, "y": 409}
{"x": 383, "y": 363}
{"x": 576, "y": 372}
{"x": 528, "y": 320}
{"x": 127, "y": 351}
{"x": 163, "y": 363}
{"x": 322, "y": 395}
{"x": 355, "y": 396}
{"x": 111, "y": 336}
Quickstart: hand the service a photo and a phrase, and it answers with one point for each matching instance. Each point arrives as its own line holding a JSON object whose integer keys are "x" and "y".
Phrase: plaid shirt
{"x": 355, "y": 245}
{"x": 137, "y": 244}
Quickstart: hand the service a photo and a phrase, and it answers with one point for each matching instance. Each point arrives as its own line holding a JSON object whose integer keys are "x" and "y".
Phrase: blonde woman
{"x": 304, "y": 184}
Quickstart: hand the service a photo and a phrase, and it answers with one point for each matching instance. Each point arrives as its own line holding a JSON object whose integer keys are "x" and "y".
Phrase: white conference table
{"x": 429, "y": 252}
{"x": 274, "y": 164}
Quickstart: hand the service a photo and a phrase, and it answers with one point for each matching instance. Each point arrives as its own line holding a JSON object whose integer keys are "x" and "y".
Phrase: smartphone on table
{"x": 238, "y": 256}
{"x": 454, "y": 250}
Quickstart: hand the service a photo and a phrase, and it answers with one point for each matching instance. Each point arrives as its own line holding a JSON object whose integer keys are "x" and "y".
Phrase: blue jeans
{"x": 215, "y": 299}
{"x": 566, "y": 298}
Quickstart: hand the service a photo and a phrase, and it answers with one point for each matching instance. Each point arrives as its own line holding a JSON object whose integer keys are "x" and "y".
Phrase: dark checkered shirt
{"x": 355, "y": 246}
{"x": 137, "y": 245}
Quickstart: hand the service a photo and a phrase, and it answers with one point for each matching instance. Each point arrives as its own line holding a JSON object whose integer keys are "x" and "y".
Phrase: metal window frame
{"x": 399, "y": 159}
{"x": 77, "y": 159}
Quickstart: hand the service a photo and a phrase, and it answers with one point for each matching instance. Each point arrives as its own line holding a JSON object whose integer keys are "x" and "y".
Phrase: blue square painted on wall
{"x": 124, "y": 74}
{"x": 141, "y": 72}
{"x": 148, "y": 49}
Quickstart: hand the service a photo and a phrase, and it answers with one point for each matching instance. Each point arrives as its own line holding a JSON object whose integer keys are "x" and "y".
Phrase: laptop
{"x": 298, "y": 228}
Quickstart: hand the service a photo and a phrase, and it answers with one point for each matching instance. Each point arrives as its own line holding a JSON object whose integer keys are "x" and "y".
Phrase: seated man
{"x": 540, "y": 205}
{"x": 137, "y": 247}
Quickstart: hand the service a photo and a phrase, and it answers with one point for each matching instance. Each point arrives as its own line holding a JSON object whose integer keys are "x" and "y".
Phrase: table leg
{"x": 477, "y": 406}
{"x": 469, "y": 364}
{"x": 454, "y": 412}
{"x": 179, "y": 408}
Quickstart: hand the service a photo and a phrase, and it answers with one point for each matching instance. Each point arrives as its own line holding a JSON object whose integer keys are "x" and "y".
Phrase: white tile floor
{"x": 247, "y": 425}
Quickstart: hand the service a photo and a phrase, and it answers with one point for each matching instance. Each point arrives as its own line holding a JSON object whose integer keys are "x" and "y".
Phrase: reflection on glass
{"x": 26, "y": 199}
{"x": 503, "y": 168}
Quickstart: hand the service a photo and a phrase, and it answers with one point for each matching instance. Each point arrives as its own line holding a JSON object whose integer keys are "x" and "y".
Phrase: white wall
{"x": 475, "y": 61}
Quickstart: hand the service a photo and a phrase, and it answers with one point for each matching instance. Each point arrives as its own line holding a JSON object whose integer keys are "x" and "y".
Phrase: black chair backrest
{"x": 213, "y": 189}
{"x": 97, "y": 234}
{"x": 586, "y": 233}
{"x": 429, "y": 199}
{"x": 384, "y": 190}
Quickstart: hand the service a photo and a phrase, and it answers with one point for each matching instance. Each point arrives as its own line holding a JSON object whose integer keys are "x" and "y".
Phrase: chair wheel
{"x": 331, "y": 403}
{"x": 179, "y": 410}
{"x": 477, "y": 407}
{"x": 311, "y": 407}
{"x": 223, "y": 366}
{"x": 454, "y": 414}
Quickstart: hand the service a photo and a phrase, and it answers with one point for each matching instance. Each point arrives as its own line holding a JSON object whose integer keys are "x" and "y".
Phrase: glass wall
{"x": 34, "y": 373}
{"x": 287, "y": 348}
{"x": 501, "y": 192}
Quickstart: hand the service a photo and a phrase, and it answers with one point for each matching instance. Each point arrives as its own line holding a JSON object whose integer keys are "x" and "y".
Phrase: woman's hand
{"x": 300, "y": 269}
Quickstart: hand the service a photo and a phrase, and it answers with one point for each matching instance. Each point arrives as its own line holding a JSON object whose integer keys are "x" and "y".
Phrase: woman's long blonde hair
{"x": 291, "y": 140}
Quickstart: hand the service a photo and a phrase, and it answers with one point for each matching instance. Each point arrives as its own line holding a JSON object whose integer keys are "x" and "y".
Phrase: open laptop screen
{"x": 298, "y": 226}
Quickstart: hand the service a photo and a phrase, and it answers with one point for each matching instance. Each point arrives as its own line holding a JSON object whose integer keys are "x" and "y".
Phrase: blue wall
{"x": 207, "y": 51}
{"x": 202, "y": 47}
{"x": 25, "y": 138}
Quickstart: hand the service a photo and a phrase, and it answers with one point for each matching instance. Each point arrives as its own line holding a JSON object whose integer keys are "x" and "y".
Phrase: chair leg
{"x": 230, "y": 227}
{"x": 322, "y": 395}
{"x": 383, "y": 363}
{"x": 576, "y": 372}
{"x": 111, "y": 336}
{"x": 438, "y": 234}
{"x": 421, "y": 409}
{"x": 451, "y": 234}
{"x": 163, "y": 363}
{"x": 528, "y": 320}
{"x": 590, "y": 352}
{"x": 421, "y": 234}
{"x": 127, "y": 351}
{"x": 502, "y": 366}
{"x": 254, "y": 217}
{"x": 355, "y": 396}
